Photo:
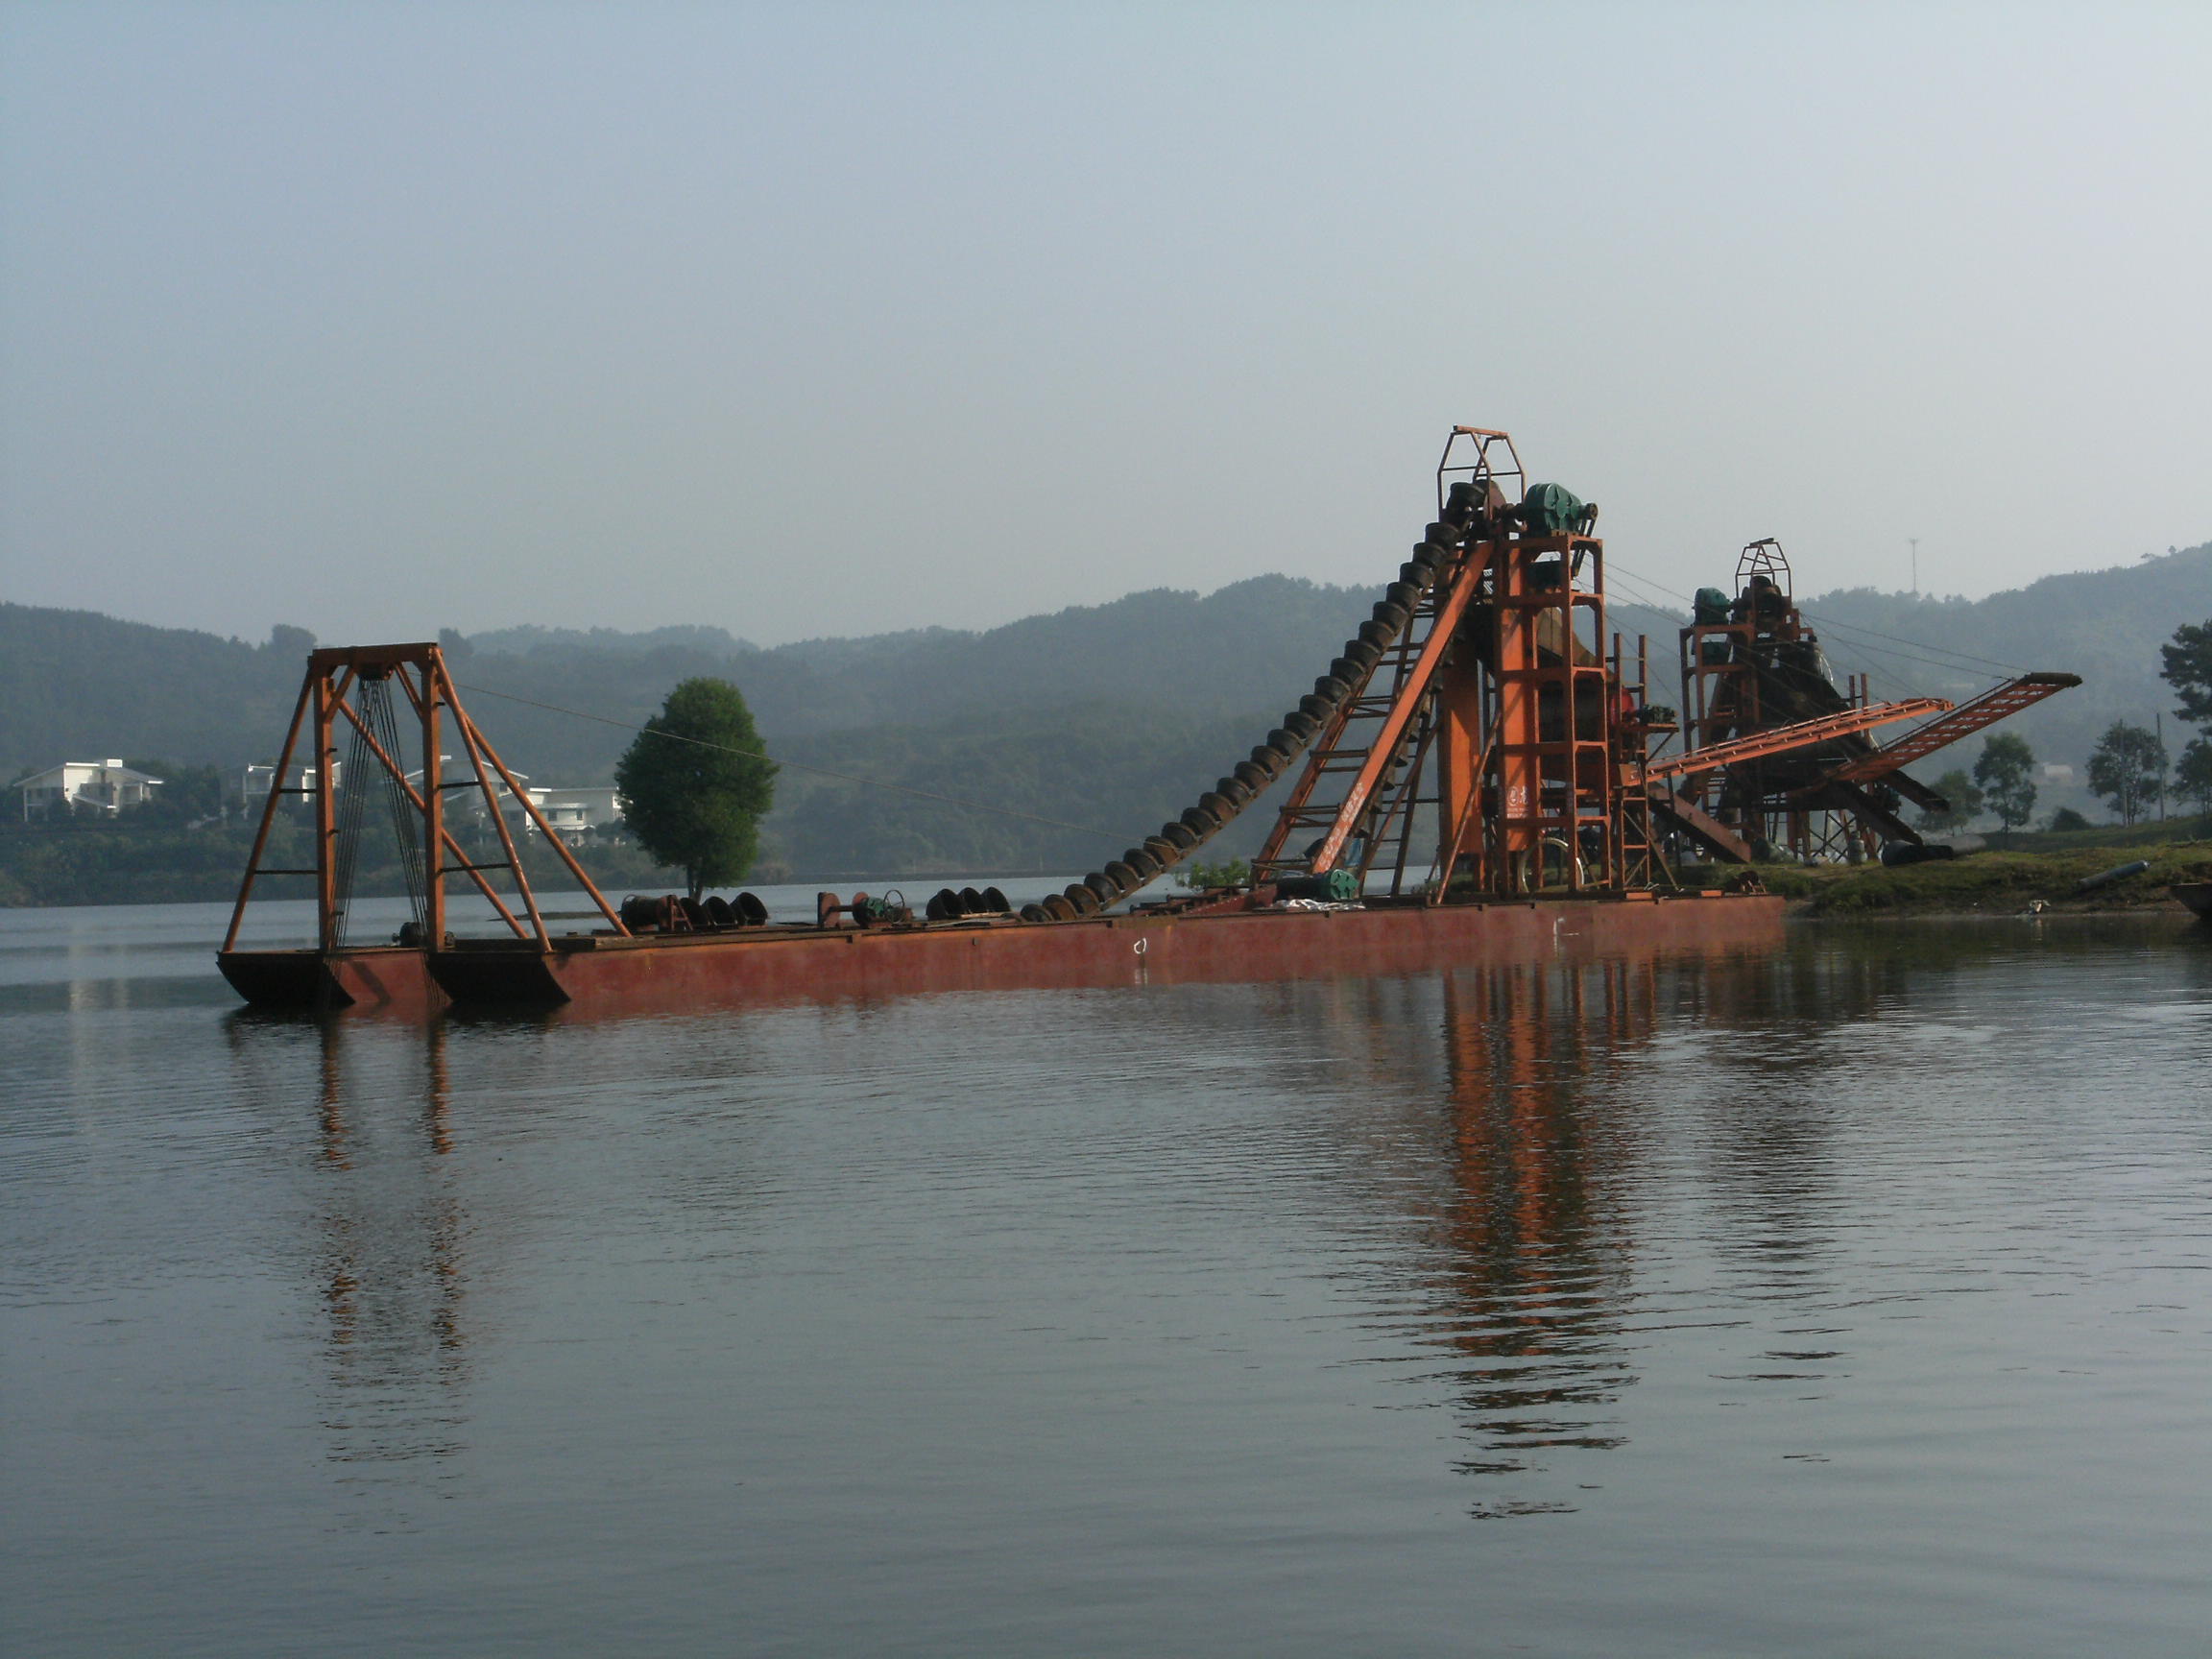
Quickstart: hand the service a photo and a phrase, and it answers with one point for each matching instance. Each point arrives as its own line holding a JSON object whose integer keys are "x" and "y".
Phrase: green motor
{"x": 1551, "y": 510}
{"x": 1338, "y": 886}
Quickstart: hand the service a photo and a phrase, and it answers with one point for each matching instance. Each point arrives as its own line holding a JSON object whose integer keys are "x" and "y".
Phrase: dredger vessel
{"x": 1479, "y": 777}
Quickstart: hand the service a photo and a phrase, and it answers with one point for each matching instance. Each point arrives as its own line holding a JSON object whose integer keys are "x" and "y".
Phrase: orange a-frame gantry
{"x": 362, "y": 689}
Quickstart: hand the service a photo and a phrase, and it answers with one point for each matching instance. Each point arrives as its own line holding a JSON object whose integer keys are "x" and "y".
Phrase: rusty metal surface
{"x": 1501, "y": 711}
{"x": 1802, "y": 734}
{"x": 1714, "y": 835}
{"x": 679, "y": 972}
{"x": 367, "y": 980}
{"x": 350, "y": 685}
{"x": 1997, "y": 704}
{"x": 1482, "y": 697}
{"x": 1752, "y": 675}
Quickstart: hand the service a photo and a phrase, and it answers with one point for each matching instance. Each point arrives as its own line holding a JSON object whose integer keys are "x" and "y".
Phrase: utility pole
{"x": 1913, "y": 543}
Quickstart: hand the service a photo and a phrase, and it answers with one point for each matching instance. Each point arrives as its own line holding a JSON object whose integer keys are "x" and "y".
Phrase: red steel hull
{"x": 375, "y": 980}
{"x": 661, "y": 974}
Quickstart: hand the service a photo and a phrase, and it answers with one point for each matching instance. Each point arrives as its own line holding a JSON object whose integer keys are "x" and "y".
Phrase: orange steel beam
{"x": 438, "y": 691}
{"x": 268, "y": 815}
{"x": 326, "y": 694}
{"x": 434, "y": 811}
{"x": 446, "y": 836}
{"x": 1796, "y": 737}
{"x": 560, "y": 848}
{"x": 331, "y": 673}
{"x": 1702, "y": 824}
{"x": 1992, "y": 706}
{"x": 1385, "y": 743}
{"x": 1464, "y": 821}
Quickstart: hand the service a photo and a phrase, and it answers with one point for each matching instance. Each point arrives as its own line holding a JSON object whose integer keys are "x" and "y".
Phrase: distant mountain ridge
{"x": 1113, "y": 714}
{"x": 530, "y": 639}
{"x": 2104, "y": 625}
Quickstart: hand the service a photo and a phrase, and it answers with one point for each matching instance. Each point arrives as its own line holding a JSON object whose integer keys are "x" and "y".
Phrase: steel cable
{"x": 352, "y": 798}
{"x": 384, "y": 719}
{"x": 1614, "y": 567}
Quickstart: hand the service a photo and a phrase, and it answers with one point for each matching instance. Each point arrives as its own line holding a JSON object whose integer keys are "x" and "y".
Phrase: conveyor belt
{"x": 1963, "y": 721}
{"x": 1387, "y": 640}
{"x": 1798, "y": 735}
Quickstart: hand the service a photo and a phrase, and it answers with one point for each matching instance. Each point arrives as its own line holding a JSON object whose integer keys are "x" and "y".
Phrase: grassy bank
{"x": 1995, "y": 881}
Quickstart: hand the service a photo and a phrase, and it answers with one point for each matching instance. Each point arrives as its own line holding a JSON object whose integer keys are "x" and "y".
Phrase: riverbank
{"x": 130, "y": 866}
{"x": 1995, "y": 882}
{"x": 165, "y": 865}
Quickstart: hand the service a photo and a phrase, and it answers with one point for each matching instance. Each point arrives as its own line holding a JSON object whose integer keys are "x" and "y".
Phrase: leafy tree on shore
{"x": 2188, "y": 669}
{"x": 2126, "y": 767}
{"x": 2193, "y": 776}
{"x": 695, "y": 784}
{"x": 1956, "y": 788}
{"x": 1226, "y": 873}
{"x": 190, "y": 795}
{"x": 2006, "y": 771}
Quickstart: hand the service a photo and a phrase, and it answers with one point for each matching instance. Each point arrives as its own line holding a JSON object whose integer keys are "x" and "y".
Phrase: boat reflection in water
{"x": 384, "y": 1251}
{"x": 1533, "y": 1276}
{"x": 1575, "y": 1096}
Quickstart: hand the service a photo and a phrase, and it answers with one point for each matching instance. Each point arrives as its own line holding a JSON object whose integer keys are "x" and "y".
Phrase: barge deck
{"x": 673, "y": 972}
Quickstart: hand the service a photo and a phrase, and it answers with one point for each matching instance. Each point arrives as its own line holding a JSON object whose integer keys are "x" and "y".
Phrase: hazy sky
{"x": 808, "y": 319}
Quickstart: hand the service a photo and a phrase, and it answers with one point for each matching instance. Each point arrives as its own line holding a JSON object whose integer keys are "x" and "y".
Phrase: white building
{"x": 573, "y": 813}
{"x": 109, "y": 786}
{"x": 254, "y": 782}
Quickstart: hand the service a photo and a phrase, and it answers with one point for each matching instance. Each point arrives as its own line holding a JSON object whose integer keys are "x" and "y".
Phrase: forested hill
{"x": 81, "y": 684}
{"x": 1113, "y": 715}
{"x": 2103, "y": 625}
{"x": 75, "y": 685}
{"x": 1106, "y": 714}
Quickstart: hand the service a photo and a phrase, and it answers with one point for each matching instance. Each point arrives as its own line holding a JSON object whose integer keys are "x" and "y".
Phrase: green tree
{"x": 1966, "y": 801}
{"x": 2065, "y": 820}
{"x": 2007, "y": 773}
{"x": 190, "y": 795}
{"x": 1228, "y": 872}
{"x": 2188, "y": 669}
{"x": 695, "y": 784}
{"x": 2126, "y": 767}
{"x": 2193, "y": 775}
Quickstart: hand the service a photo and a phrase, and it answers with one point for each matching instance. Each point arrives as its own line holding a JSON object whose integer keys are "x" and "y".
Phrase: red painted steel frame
{"x": 674, "y": 973}
{"x": 1782, "y": 739}
{"x": 1385, "y": 747}
{"x": 1997, "y": 704}
{"x": 334, "y": 975}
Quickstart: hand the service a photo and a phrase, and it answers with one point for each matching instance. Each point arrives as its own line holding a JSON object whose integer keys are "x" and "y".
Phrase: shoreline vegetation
{"x": 164, "y": 865}
{"x": 2036, "y": 875}
{"x": 109, "y": 865}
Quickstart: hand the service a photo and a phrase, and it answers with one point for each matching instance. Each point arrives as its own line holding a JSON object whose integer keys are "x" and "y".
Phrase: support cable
{"x": 1849, "y": 649}
{"x": 405, "y": 819}
{"x": 1826, "y": 621}
{"x": 353, "y": 801}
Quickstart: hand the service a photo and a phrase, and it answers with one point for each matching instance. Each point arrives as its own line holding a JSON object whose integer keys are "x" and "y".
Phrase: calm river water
{"x": 1850, "y": 1299}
